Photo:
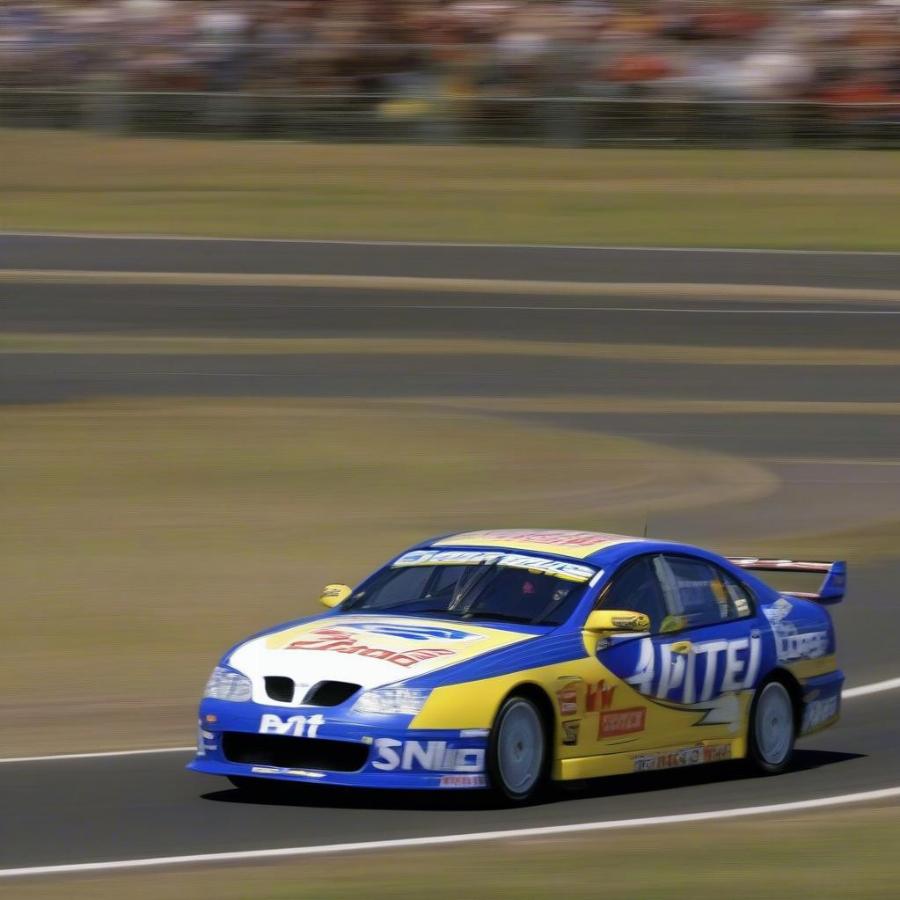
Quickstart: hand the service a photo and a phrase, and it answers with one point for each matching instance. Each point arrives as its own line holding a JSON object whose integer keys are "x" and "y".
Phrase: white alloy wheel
{"x": 772, "y": 728}
{"x": 519, "y": 749}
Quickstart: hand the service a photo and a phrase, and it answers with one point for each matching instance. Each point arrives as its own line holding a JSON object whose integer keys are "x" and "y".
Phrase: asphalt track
{"x": 834, "y": 469}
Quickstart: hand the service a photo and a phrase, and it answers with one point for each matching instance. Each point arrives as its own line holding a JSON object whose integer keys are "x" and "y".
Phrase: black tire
{"x": 518, "y": 752}
{"x": 772, "y": 728}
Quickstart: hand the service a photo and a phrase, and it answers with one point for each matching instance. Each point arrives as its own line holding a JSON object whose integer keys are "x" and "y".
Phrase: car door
{"x": 690, "y": 677}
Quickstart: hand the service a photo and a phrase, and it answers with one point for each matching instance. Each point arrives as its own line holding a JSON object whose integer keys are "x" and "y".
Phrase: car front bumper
{"x": 323, "y": 746}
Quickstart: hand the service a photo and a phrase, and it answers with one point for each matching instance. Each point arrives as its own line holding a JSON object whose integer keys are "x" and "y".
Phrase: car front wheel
{"x": 517, "y": 761}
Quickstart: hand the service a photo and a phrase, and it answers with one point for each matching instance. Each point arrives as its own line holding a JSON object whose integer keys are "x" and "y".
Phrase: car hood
{"x": 368, "y": 650}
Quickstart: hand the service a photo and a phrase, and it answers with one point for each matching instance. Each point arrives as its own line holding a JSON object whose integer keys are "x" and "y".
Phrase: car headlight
{"x": 228, "y": 684}
{"x": 392, "y": 701}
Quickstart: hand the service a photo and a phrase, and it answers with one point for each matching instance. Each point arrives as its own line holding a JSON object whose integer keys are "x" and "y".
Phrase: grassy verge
{"x": 790, "y": 198}
{"x": 144, "y": 537}
{"x": 879, "y": 541}
{"x": 836, "y": 855}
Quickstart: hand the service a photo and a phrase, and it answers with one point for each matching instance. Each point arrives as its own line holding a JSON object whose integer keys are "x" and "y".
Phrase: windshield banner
{"x": 555, "y": 567}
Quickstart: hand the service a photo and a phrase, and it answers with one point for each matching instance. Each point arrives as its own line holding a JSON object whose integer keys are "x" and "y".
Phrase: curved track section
{"x": 835, "y": 448}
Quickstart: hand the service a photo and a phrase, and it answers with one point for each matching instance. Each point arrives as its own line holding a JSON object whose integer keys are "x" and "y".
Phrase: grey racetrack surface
{"x": 833, "y": 468}
{"x": 874, "y": 270}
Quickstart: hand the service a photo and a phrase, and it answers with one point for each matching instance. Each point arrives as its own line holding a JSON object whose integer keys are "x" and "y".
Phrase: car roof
{"x": 599, "y": 548}
{"x": 582, "y": 545}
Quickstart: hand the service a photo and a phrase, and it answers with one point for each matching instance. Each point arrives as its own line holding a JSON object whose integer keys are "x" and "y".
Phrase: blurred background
{"x": 564, "y": 72}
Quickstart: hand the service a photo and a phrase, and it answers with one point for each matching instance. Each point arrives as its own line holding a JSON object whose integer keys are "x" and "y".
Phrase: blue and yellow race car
{"x": 510, "y": 658}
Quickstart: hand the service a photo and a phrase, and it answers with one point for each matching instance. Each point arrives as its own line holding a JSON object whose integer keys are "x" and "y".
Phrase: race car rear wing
{"x": 833, "y": 586}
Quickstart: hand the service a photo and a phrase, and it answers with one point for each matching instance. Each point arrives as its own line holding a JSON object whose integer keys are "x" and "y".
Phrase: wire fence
{"x": 564, "y": 121}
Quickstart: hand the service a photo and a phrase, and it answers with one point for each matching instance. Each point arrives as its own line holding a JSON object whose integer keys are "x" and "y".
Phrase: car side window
{"x": 740, "y": 600}
{"x": 637, "y": 588}
{"x": 700, "y": 593}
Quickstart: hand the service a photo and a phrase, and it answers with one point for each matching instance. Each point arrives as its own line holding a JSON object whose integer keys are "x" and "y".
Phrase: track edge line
{"x": 443, "y": 840}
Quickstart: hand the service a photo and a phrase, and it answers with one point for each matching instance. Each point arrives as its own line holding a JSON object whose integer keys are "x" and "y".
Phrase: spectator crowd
{"x": 673, "y": 49}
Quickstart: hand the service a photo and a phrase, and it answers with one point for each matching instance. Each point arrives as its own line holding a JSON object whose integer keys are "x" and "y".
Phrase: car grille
{"x": 294, "y": 752}
{"x": 281, "y": 689}
{"x": 330, "y": 693}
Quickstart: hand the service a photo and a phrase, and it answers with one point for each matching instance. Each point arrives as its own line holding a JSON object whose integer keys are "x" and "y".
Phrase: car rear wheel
{"x": 517, "y": 758}
{"x": 772, "y": 728}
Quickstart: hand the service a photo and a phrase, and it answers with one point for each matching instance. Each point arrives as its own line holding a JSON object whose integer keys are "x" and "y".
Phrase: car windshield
{"x": 488, "y": 585}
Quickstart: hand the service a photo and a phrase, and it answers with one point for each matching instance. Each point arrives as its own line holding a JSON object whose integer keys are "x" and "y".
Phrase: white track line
{"x": 848, "y": 694}
{"x": 93, "y": 236}
{"x": 874, "y": 688}
{"x": 655, "y": 310}
{"x": 54, "y": 756}
{"x": 469, "y": 837}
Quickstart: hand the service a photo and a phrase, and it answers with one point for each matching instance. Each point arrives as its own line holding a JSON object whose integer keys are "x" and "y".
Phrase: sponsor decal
{"x": 463, "y": 781}
{"x": 578, "y": 543}
{"x": 542, "y": 565}
{"x": 433, "y": 756}
{"x": 791, "y": 643}
{"x": 558, "y": 538}
{"x": 334, "y": 640}
{"x": 779, "y": 610}
{"x": 570, "y": 733}
{"x": 662, "y": 673}
{"x": 567, "y": 700}
{"x": 600, "y": 696}
{"x": 295, "y": 726}
{"x": 616, "y": 722}
{"x": 412, "y": 632}
{"x": 684, "y": 756}
{"x": 818, "y": 712}
{"x": 742, "y": 606}
{"x": 613, "y": 723}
